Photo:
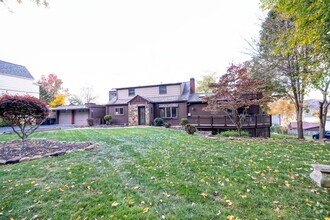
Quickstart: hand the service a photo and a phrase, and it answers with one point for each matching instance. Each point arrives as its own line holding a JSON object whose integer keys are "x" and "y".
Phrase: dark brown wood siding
{"x": 97, "y": 113}
{"x": 118, "y": 119}
{"x": 182, "y": 112}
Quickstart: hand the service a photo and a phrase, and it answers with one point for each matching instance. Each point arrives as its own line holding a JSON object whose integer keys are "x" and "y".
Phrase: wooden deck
{"x": 251, "y": 121}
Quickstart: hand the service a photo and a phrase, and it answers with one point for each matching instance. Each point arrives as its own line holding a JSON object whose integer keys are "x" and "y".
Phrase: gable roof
{"x": 14, "y": 70}
{"x": 137, "y": 87}
{"x": 157, "y": 99}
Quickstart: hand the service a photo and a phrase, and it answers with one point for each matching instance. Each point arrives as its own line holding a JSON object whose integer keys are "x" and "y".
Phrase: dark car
{"x": 326, "y": 135}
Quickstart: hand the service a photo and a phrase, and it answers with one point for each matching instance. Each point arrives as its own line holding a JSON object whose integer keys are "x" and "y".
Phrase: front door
{"x": 142, "y": 115}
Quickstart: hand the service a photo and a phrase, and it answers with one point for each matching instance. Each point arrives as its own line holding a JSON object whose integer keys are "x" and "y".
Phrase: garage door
{"x": 80, "y": 117}
{"x": 64, "y": 117}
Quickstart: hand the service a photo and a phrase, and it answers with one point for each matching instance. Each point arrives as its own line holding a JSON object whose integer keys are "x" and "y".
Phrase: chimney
{"x": 112, "y": 94}
{"x": 192, "y": 85}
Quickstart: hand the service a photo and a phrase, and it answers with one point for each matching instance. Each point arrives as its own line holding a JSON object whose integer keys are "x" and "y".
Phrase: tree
{"x": 25, "y": 112}
{"x": 58, "y": 101}
{"x": 284, "y": 109}
{"x": 75, "y": 100}
{"x": 50, "y": 86}
{"x": 235, "y": 92}
{"x": 38, "y": 2}
{"x": 311, "y": 20}
{"x": 203, "y": 84}
{"x": 87, "y": 94}
{"x": 322, "y": 84}
{"x": 285, "y": 65}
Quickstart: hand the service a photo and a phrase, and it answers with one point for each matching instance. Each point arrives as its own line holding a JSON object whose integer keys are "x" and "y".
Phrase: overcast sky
{"x": 109, "y": 44}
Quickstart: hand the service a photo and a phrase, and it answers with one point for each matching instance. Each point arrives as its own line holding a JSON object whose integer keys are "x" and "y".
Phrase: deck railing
{"x": 224, "y": 121}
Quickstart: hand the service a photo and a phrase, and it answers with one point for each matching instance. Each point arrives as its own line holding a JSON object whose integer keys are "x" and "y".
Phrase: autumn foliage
{"x": 284, "y": 109}
{"x": 235, "y": 92}
{"x": 58, "y": 101}
{"x": 24, "y": 112}
{"x": 50, "y": 86}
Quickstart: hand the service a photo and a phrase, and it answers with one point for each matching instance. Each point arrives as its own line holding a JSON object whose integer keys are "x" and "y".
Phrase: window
{"x": 168, "y": 112}
{"x": 119, "y": 111}
{"x": 162, "y": 90}
{"x": 131, "y": 92}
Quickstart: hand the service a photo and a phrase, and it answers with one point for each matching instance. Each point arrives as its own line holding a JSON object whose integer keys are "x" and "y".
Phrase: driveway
{"x": 42, "y": 127}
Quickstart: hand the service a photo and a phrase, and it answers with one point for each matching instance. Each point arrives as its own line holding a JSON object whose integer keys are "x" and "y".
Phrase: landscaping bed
{"x": 14, "y": 152}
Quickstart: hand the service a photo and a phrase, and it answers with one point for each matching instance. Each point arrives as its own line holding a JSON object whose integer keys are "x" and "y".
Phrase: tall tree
{"x": 322, "y": 84}
{"x": 235, "y": 92}
{"x": 285, "y": 65}
{"x": 203, "y": 84}
{"x": 50, "y": 86}
{"x": 87, "y": 94}
{"x": 312, "y": 24}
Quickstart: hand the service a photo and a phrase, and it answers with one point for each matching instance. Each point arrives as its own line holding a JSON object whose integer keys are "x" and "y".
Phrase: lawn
{"x": 158, "y": 173}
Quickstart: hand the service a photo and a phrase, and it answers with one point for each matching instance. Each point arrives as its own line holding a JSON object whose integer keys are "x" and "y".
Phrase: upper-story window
{"x": 131, "y": 92}
{"x": 162, "y": 90}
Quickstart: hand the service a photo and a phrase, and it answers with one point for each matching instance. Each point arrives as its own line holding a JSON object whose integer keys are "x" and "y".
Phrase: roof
{"x": 14, "y": 70}
{"x": 306, "y": 125}
{"x": 198, "y": 97}
{"x": 136, "y": 87}
{"x": 70, "y": 107}
{"x": 158, "y": 99}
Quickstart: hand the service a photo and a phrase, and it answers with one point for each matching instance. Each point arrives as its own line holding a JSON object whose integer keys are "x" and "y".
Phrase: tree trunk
{"x": 323, "y": 110}
{"x": 300, "y": 128}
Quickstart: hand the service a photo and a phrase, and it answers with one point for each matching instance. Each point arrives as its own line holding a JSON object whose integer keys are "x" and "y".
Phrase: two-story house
{"x": 17, "y": 80}
{"x": 140, "y": 105}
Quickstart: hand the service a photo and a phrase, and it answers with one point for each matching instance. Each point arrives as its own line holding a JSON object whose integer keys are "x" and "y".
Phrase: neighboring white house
{"x": 17, "y": 80}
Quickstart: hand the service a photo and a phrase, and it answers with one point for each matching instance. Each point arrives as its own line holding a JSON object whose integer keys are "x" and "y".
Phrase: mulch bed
{"x": 14, "y": 152}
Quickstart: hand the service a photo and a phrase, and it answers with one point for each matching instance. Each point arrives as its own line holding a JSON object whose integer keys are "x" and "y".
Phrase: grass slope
{"x": 155, "y": 173}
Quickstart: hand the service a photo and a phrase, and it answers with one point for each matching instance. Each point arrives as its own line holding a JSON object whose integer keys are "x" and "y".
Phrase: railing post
{"x": 225, "y": 120}
{"x": 198, "y": 120}
{"x": 212, "y": 121}
{"x": 256, "y": 120}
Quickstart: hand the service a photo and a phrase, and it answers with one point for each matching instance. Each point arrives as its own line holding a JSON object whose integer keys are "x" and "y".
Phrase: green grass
{"x": 155, "y": 173}
{"x": 288, "y": 136}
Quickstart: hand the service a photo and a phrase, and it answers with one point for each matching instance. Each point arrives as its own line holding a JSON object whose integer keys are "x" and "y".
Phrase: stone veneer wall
{"x": 133, "y": 114}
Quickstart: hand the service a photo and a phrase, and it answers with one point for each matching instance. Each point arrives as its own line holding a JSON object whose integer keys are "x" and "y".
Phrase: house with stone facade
{"x": 140, "y": 105}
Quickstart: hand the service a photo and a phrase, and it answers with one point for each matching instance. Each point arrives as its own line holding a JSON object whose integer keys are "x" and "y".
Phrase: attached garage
{"x": 64, "y": 117}
{"x": 81, "y": 116}
{"x": 78, "y": 114}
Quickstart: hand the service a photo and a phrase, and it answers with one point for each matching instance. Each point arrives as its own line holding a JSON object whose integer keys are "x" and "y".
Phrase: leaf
{"x": 204, "y": 195}
{"x": 146, "y": 209}
{"x": 136, "y": 187}
{"x": 114, "y": 204}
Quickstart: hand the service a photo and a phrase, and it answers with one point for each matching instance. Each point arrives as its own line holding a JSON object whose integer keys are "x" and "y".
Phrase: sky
{"x": 109, "y": 44}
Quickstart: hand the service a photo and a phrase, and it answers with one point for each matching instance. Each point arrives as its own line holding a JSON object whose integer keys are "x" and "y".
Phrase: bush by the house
{"x": 25, "y": 112}
{"x": 158, "y": 122}
{"x": 107, "y": 118}
{"x": 190, "y": 129}
{"x": 184, "y": 122}
{"x": 90, "y": 122}
{"x": 232, "y": 133}
{"x": 167, "y": 125}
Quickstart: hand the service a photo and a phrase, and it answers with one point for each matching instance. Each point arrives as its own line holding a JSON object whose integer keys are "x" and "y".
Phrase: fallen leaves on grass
{"x": 114, "y": 204}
